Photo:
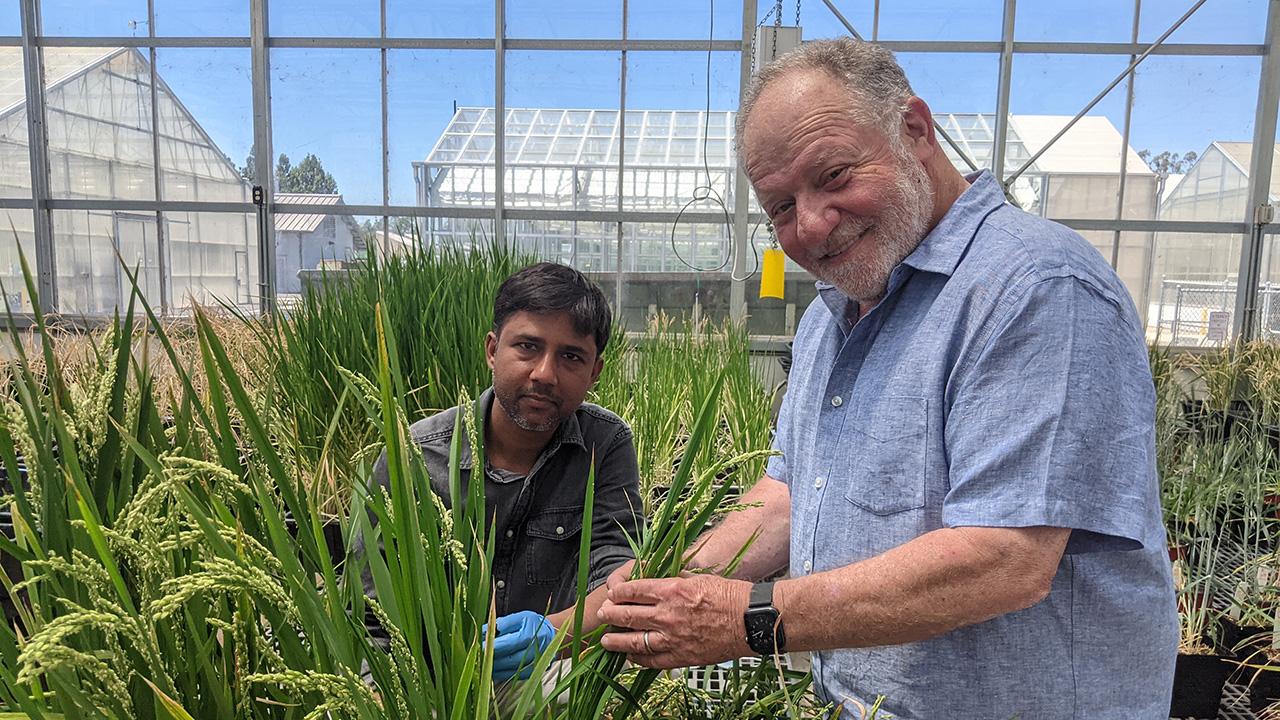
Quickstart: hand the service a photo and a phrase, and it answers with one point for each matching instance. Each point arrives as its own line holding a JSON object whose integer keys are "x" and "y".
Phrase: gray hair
{"x": 878, "y": 88}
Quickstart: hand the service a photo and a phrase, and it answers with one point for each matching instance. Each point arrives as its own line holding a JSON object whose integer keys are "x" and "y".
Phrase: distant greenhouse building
{"x": 565, "y": 159}
{"x": 1198, "y": 271}
{"x": 100, "y": 147}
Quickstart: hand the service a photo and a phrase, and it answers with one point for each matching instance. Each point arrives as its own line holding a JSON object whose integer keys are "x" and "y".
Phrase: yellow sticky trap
{"x": 771, "y": 278}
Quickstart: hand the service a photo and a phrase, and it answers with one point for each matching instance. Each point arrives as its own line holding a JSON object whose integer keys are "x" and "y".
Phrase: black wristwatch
{"x": 764, "y": 625}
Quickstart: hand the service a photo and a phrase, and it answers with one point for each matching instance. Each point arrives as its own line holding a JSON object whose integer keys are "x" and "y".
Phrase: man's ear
{"x": 595, "y": 371}
{"x": 490, "y": 348}
{"x": 917, "y": 125}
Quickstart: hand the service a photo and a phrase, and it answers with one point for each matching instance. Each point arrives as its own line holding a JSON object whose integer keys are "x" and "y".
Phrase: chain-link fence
{"x": 1199, "y": 313}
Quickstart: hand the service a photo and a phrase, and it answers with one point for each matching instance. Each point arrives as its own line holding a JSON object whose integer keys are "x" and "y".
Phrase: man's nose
{"x": 544, "y": 370}
{"x": 815, "y": 221}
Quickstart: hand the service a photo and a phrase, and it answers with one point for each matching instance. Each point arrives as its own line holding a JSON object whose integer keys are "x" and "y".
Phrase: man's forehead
{"x": 546, "y": 326}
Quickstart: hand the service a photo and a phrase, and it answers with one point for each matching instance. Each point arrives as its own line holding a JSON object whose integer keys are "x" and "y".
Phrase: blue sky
{"x": 326, "y": 101}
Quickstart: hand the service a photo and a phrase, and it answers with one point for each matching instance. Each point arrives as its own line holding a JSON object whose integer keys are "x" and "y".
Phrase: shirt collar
{"x": 940, "y": 251}
{"x": 942, "y": 248}
{"x": 569, "y": 432}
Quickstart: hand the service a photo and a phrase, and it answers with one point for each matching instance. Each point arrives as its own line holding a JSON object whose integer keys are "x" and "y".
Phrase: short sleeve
{"x": 1052, "y": 422}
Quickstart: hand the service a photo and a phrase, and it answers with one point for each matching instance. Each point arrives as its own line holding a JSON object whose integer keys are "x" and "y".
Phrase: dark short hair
{"x": 548, "y": 288}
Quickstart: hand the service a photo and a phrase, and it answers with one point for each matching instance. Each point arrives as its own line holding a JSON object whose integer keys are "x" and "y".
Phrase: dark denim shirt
{"x": 538, "y": 517}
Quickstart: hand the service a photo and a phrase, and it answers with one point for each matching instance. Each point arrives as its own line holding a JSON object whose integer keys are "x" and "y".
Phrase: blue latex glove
{"x": 520, "y": 638}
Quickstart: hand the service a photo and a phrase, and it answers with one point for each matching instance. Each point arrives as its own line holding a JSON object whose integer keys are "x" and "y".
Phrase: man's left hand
{"x": 686, "y": 621}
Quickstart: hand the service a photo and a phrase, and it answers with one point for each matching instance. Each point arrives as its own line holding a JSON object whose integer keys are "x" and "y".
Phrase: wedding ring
{"x": 647, "y": 647}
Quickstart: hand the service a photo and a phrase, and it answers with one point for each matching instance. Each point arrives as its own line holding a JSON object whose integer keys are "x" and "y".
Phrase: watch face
{"x": 761, "y": 626}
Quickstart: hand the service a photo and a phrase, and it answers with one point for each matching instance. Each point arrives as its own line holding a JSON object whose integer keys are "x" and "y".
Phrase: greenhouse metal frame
{"x": 1255, "y": 228}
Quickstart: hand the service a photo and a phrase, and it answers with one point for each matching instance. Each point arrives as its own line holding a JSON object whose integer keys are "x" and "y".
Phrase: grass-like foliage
{"x": 175, "y": 564}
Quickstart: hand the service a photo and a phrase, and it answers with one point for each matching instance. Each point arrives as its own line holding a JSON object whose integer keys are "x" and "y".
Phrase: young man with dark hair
{"x": 550, "y": 328}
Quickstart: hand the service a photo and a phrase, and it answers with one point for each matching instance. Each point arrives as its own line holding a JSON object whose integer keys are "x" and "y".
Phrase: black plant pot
{"x": 1221, "y": 425}
{"x": 1197, "y": 685}
{"x": 1264, "y": 690}
{"x": 1242, "y": 641}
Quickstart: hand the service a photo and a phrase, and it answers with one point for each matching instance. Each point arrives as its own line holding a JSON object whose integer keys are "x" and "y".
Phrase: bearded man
{"x": 550, "y": 328}
{"x": 964, "y": 496}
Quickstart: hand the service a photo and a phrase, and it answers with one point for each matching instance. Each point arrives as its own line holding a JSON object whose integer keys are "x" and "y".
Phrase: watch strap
{"x": 761, "y": 595}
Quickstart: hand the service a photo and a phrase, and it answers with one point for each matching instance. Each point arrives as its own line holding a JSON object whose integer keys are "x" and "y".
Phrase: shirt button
{"x": 836, "y": 401}
{"x": 502, "y": 584}
{"x": 560, "y": 530}
{"x": 808, "y": 566}
{"x": 819, "y": 481}
{"x": 509, "y": 533}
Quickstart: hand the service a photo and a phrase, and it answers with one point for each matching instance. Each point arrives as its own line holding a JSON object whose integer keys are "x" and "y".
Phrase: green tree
{"x": 250, "y": 169}
{"x": 1168, "y": 163}
{"x": 308, "y": 176}
{"x": 283, "y": 166}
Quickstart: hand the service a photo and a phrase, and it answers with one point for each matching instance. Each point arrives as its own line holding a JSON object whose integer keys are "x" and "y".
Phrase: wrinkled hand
{"x": 692, "y": 620}
{"x": 520, "y": 638}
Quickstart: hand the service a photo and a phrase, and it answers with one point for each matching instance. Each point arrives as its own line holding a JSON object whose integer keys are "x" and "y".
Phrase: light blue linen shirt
{"x": 1002, "y": 382}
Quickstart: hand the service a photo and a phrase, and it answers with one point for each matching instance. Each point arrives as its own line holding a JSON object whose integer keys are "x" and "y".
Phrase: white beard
{"x": 899, "y": 231}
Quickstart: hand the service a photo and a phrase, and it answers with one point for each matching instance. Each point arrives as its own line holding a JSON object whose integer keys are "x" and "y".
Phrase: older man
{"x": 966, "y": 446}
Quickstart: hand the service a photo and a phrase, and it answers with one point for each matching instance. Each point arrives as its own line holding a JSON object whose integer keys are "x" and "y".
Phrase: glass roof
{"x": 656, "y": 138}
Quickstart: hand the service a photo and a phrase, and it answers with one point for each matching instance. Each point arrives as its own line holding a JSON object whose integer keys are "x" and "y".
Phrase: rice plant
{"x": 679, "y": 359}
{"x": 443, "y": 306}
{"x": 161, "y": 580}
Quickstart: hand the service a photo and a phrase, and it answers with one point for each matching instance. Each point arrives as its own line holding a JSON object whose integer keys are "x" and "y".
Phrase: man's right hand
{"x": 621, "y": 574}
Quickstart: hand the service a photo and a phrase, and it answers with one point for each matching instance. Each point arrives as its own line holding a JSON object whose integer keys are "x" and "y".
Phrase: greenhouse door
{"x": 136, "y": 238}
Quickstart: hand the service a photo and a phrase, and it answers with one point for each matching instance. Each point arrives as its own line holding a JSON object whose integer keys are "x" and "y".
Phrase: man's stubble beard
{"x": 900, "y": 229}
{"x": 511, "y": 406}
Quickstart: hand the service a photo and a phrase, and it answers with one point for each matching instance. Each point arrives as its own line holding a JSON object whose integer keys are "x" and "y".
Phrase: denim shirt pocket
{"x": 553, "y": 543}
{"x": 885, "y": 470}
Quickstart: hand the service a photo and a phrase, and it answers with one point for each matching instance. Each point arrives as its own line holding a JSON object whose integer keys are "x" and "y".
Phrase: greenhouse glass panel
{"x": 1192, "y": 276}
{"x": 326, "y": 120}
{"x": 213, "y": 259}
{"x": 1238, "y": 21}
{"x": 1201, "y": 161}
{"x": 820, "y": 23}
{"x": 1078, "y": 174}
{"x": 935, "y": 20}
{"x": 565, "y": 19}
{"x": 206, "y": 124}
{"x": 10, "y": 19}
{"x": 90, "y": 278}
{"x": 585, "y": 245}
{"x": 21, "y": 234}
{"x": 556, "y": 103}
{"x": 1082, "y": 21}
{"x": 452, "y": 232}
{"x": 422, "y": 122}
{"x": 324, "y": 18}
{"x": 98, "y": 107}
{"x": 15, "y": 155}
{"x": 93, "y": 17}
{"x": 208, "y": 18}
{"x": 683, "y": 159}
{"x": 440, "y": 18}
{"x": 676, "y": 20}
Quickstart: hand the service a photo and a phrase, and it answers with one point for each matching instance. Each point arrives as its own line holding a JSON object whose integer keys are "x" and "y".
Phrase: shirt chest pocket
{"x": 552, "y": 537}
{"x": 884, "y": 467}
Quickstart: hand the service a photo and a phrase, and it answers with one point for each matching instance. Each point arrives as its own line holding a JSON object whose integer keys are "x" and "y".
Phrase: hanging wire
{"x": 707, "y": 192}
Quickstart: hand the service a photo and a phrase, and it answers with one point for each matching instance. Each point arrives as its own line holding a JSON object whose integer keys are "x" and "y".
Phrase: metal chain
{"x": 777, "y": 23}
{"x": 797, "y": 13}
